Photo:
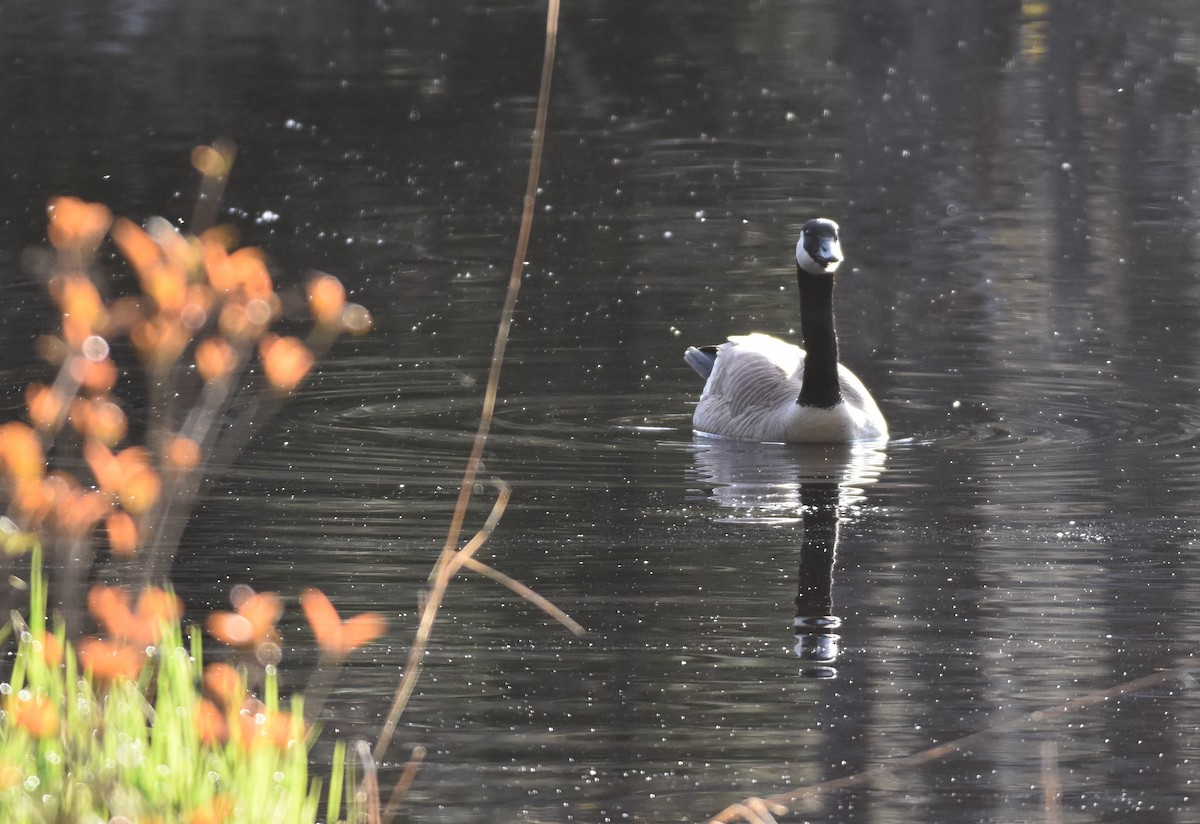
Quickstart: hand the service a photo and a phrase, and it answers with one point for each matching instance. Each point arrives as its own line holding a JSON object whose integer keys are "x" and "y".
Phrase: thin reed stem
{"x": 443, "y": 572}
{"x": 368, "y": 788}
{"x": 445, "y": 566}
{"x": 403, "y": 784}
{"x": 212, "y": 189}
{"x": 514, "y": 288}
{"x": 1051, "y": 784}
{"x": 221, "y": 446}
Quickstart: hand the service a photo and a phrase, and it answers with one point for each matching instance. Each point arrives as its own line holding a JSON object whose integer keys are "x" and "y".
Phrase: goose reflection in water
{"x": 815, "y": 486}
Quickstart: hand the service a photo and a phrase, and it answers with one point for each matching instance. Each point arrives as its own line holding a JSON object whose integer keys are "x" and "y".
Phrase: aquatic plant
{"x": 106, "y": 730}
{"x": 201, "y": 327}
{"x": 127, "y": 721}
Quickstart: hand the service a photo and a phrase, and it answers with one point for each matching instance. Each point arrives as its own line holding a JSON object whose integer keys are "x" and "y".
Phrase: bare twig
{"x": 476, "y": 565}
{"x": 443, "y": 571}
{"x": 452, "y": 558}
{"x": 402, "y": 785}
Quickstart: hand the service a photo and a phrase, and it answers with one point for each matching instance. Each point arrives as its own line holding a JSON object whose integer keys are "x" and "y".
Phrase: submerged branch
{"x": 782, "y": 803}
{"x": 476, "y": 565}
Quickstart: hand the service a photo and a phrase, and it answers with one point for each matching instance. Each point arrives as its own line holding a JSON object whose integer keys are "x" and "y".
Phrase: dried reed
{"x": 452, "y": 557}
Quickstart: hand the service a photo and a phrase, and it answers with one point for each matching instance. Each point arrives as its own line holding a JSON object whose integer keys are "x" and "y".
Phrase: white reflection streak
{"x": 762, "y": 482}
{"x": 813, "y": 485}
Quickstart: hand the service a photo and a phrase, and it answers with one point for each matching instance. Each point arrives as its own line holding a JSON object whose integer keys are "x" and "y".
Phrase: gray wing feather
{"x": 753, "y": 375}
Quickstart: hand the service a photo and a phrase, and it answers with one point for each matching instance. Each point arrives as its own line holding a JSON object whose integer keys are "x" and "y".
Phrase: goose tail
{"x": 702, "y": 359}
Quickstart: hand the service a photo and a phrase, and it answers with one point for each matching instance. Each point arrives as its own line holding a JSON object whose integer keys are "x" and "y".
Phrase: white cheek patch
{"x": 806, "y": 262}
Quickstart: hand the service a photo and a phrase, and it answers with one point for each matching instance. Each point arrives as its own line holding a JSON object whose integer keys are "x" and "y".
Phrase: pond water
{"x": 1017, "y": 187}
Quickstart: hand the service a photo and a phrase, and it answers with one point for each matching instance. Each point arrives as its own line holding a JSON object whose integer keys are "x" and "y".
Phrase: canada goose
{"x": 760, "y": 388}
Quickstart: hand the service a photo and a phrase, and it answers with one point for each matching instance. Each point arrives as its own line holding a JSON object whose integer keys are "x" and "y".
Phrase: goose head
{"x": 819, "y": 250}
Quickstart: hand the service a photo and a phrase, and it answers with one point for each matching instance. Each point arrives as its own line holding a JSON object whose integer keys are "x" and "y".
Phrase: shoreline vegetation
{"x": 111, "y": 710}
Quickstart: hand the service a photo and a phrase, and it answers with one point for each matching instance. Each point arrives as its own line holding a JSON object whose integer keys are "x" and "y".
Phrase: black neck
{"x": 820, "y": 386}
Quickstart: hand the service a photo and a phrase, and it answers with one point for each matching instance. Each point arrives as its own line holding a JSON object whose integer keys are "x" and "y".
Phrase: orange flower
{"x": 215, "y": 359}
{"x": 214, "y": 252}
{"x": 122, "y": 533}
{"x": 285, "y": 361}
{"x": 100, "y": 419}
{"x": 156, "y": 607}
{"x": 225, "y": 684}
{"x": 110, "y": 607}
{"x": 257, "y": 726}
{"x": 50, "y": 647}
{"x": 82, "y": 307}
{"x": 75, "y": 224}
{"x": 77, "y": 295}
{"x": 140, "y": 490}
{"x": 21, "y": 452}
{"x": 143, "y": 626}
{"x": 45, "y": 406}
{"x": 167, "y": 284}
{"x": 33, "y": 499}
{"x": 104, "y": 465}
{"x": 210, "y": 724}
{"x": 107, "y": 661}
{"x": 246, "y": 320}
{"x": 326, "y": 300}
{"x": 242, "y": 273}
{"x": 160, "y": 341}
{"x": 128, "y": 475}
{"x": 222, "y": 238}
{"x": 335, "y": 636}
{"x": 250, "y": 273}
{"x": 217, "y": 811}
{"x": 77, "y": 510}
{"x": 162, "y": 260}
{"x": 138, "y": 247}
{"x": 252, "y": 623}
{"x": 37, "y": 715}
{"x": 75, "y": 331}
{"x": 96, "y": 376}
{"x": 181, "y": 454}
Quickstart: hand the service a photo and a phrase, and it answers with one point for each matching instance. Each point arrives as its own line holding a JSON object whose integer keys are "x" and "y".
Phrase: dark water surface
{"x": 1017, "y": 187}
